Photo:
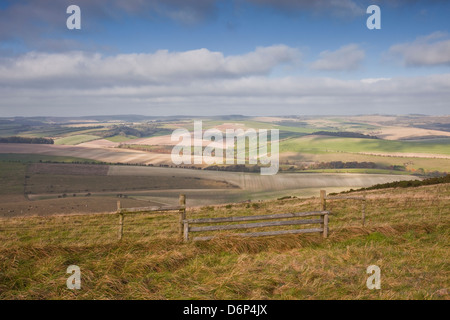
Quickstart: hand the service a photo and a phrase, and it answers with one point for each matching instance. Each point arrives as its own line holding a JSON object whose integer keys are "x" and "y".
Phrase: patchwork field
{"x": 310, "y": 147}
{"x": 143, "y": 140}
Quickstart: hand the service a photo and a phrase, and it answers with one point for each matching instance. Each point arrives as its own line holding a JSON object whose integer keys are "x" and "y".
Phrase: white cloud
{"x": 374, "y": 80}
{"x": 201, "y": 82}
{"x": 346, "y": 58}
{"x": 84, "y": 69}
{"x": 255, "y": 95}
{"x": 424, "y": 51}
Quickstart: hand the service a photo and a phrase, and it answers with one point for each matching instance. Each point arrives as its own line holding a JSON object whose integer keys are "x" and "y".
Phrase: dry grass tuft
{"x": 406, "y": 235}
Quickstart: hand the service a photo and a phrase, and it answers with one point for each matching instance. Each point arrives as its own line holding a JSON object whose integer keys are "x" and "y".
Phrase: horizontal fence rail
{"x": 149, "y": 209}
{"x": 323, "y": 221}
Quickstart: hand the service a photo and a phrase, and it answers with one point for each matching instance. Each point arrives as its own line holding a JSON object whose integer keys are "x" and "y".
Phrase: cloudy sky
{"x": 208, "y": 57}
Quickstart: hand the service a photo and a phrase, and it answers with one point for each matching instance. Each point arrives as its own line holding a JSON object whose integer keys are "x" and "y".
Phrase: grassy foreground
{"x": 406, "y": 235}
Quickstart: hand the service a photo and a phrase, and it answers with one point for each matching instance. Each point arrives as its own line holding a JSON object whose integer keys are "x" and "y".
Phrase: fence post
{"x": 186, "y": 231}
{"x": 323, "y": 207}
{"x": 363, "y": 210}
{"x": 325, "y": 225}
{"x": 182, "y": 202}
{"x": 323, "y": 201}
{"x": 120, "y": 221}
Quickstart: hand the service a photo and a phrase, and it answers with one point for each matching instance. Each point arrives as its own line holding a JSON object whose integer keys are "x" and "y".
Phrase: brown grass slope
{"x": 406, "y": 235}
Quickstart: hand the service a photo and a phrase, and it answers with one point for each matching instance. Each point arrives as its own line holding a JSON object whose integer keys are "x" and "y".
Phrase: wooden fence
{"x": 323, "y": 221}
{"x": 180, "y": 209}
{"x": 185, "y": 225}
{"x": 324, "y": 198}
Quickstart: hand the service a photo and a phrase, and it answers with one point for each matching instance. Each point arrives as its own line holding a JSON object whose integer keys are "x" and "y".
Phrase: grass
{"x": 76, "y": 139}
{"x": 314, "y": 144}
{"x": 49, "y": 131}
{"x": 406, "y": 235}
{"x": 12, "y": 176}
{"x": 120, "y": 138}
{"x": 149, "y": 148}
{"x": 429, "y": 164}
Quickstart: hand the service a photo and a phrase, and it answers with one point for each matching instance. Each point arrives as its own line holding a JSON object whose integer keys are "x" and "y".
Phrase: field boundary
{"x": 323, "y": 221}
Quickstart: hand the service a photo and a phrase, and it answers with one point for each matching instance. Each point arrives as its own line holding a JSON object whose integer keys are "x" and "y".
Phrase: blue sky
{"x": 254, "y": 57}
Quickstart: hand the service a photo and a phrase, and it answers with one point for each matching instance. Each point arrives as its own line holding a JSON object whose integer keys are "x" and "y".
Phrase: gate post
{"x": 323, "y": 207}
{"x": 120, "y": 235}
{"x": 182, "y": 202}
{"x": 323, "y": 201}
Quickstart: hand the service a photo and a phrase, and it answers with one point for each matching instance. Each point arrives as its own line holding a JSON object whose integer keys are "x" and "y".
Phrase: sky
{"x": 218, "y": 57}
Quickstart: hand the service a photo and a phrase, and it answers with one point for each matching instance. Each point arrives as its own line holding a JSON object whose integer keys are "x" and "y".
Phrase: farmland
{"x": 57, "y": 205}
{"x": 318, "y": 144}
{"x": 76, "y": 139}
{"x": 420, "y": 141}
{"x": 307, "y": 160}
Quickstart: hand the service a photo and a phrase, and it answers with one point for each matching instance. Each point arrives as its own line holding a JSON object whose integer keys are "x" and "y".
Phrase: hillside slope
{"x": 406, "y": 235}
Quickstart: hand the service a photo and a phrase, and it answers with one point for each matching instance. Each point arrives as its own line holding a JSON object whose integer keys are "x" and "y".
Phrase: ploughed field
{"x": 60, "y": 188}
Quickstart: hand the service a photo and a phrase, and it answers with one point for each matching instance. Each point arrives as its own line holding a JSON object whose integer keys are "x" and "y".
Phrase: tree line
{"x": 16, "y": 139}
{"x": 344, "y": 134}
{"x": 406, "y": 184}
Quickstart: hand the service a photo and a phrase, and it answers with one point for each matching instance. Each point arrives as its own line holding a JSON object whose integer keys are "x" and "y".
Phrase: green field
{"x": 50, "y": 132}
{"x": 429, "y": 164}
{"x": 321, "y": 144}
{"x": 76, "y": 139}
{"x": 120, "y": 138}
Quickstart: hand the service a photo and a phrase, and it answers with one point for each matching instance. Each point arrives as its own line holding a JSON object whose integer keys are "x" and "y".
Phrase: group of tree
{"x": 16, "y": 139}
{"x": 141, "y": 130}
{"x": 407, "y": 184}
{"x": 235, "y": 168}
{"x": 343, "y": 165}
{"x": 344, "y": 134}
